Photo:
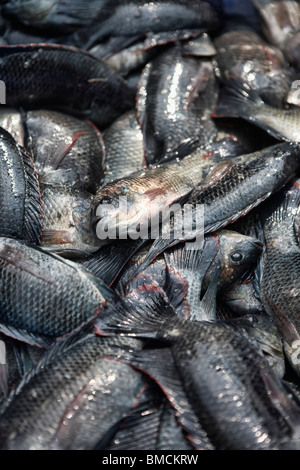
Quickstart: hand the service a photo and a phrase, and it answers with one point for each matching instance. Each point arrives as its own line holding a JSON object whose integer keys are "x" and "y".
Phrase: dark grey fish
{"x": 175, "y": 100}
{"x": 43, "y": 293}
{"x": 63, "y": 78}
{"x": 138, "y": 18}
{"x": 215, "y": 368}
{"x": 123, "y": 147}
{"x": 73, "y": 398}
{"x": 67, "y": 220}
{"x": 226, "y": 196}
{"x": 238, "y": 99}
{"x": 280, "y": 269}
{"x": 262, "y": 66}
{"x": 63, "y": 15}
{"x": 60, "y": 141}
{"x": 20, "y": 200}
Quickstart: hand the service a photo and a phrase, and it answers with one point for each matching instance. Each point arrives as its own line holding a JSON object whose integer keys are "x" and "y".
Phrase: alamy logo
{"x": 2, "y": 92}
{"x": 123, "y": 221}
{"x": 2, "y": 353}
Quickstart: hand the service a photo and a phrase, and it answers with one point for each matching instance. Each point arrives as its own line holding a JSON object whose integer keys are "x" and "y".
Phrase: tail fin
{"x": 237, "y": 100}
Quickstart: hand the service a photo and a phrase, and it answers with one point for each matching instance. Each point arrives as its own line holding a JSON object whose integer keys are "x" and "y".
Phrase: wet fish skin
{"x": 156, "y": 187}
{"x": 279, "y": 281}
{"x": 240, "y": 100}
{"x": 20, "y": 199}
{"x": 72, "y": 398}
{"x": 124, "y": 149}
{"x": 139, "y": 17}
{"x": 97, "y": 94}
{"x": 63, "y": 15}
{"x": 262, "y": 66}
{"x": 175, "y": 99}
{"x": 67, "y": 219}
{"x": 231, "y": 366}
{"x": 60, "y": 141}
{"x": 269, "y": 169}
{"x": 44, "y": 293}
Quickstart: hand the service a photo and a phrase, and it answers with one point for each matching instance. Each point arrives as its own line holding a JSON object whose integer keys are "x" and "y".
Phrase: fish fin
{"x": 237, "y": 100}
{"x": 33, "y": 203}
{"x": 208, "y": 306}
{"x": 283, "y": 205}
{"x": 41, "y": 341}
{"x": 112, "y": 46}
{"x": 139, "y": 430}
{"x": 282, "y": 401}
{"x": 186, "y": 147}
{"x": 159, "y": 365}
{"x": 167, "y": 37}
{"x": 146, "y": 316}
{"x": 108, "y": 262}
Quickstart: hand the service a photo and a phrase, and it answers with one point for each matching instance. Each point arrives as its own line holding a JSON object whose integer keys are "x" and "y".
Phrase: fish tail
{"x": 237, "y": 100}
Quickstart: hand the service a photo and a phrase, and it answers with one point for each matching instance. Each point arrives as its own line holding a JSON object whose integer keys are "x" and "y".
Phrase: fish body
{"x": 44, "y": 293}
{"x": 214, "y": 363}
{"x": 139, "y": 18}
{"x": 67, "y": 220}
{"x": 60, "y": 141}
{"x": 244, "y": 53}
{"x": 267, "y": 171}
{"x": 281, "y": 260}
{"x": 65, "y": 78}
{"x": 62, "y": 15}
{"x": 175, "y": 99}
{"x": 123, "y": 147}
{"x": 71, "y": 399}
{"x": 20, "y": 199}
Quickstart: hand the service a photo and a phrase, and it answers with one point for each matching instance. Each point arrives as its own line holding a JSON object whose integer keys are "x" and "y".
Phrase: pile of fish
{"x": 115, "y": 336}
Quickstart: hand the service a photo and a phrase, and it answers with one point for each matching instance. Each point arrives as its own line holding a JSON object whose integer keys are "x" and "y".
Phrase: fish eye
{"x": 236, "y": 256}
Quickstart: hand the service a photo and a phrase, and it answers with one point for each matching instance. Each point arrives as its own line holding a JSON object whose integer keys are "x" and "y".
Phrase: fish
{"x": 71, "y": 399}
{"x": 97, "y": 93}
{"x": 67, "y": 220}
{"x": 242, "y": 298}
{"x": 126, "y": 206}
{"x": 137, "y": 19}
{"x": 124, "y": 150}
{"x": 263, "y": 67}
{"x": 44, "y": 293}
{"x": 280, "y": 267}
{"x": 175, "y": 99}
{"x": 191, "y": 271}
{"x": 219, "y": 198}
{"x": 240, "y": 100}
{"x": 60, "y": 141}
{"x": 63, "y": 15}
{"x": 20, "y": 198}
{"x": 207, "y": 365}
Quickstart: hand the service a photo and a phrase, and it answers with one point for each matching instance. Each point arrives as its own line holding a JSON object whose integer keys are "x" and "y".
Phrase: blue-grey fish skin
{"x": 44, "y": 293}
{"x": 20, "y": 199}
{"x": 72, "y": 399}
{"x": 280, "y": 266}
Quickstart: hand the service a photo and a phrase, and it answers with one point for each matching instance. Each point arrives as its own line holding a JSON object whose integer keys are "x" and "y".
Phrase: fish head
{"x": 119, "y": 210}
{"x": 238, "y": 255}
{"x": 29, "y": 11}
